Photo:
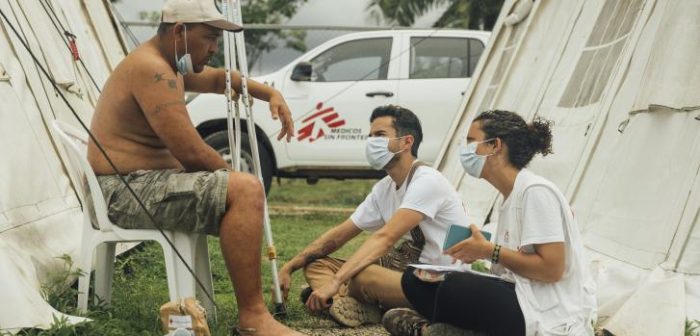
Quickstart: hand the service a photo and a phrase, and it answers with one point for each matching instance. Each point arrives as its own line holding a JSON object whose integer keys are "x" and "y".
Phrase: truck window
{"x": 351, "y": 61}
{"x": 444, "y": 57}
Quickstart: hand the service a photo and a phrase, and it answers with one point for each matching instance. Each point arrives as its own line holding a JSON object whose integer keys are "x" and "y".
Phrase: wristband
{"x": 496, "y": 254}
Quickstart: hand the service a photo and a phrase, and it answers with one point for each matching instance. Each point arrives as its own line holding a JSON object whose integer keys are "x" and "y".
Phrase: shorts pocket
{"x": 178, "y": 186}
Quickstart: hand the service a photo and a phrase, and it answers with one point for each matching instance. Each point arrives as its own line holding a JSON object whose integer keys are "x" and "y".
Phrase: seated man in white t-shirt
{"x": 414, "y": 202}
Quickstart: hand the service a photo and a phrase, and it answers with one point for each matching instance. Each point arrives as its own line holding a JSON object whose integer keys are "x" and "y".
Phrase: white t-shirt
{"x": 428, "y": 193}
{"x": 537, "y": 213}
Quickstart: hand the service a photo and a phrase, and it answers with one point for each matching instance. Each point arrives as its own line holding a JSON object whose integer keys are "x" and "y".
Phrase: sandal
{"x": 238, "y": 331}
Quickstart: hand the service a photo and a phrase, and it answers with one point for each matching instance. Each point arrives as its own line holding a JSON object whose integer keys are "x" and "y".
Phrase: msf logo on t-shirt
{"x": 319, "y": 124}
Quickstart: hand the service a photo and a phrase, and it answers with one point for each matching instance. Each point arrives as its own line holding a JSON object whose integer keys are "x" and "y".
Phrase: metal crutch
{"x": 233, "y": 123}
{"x": 234, "y": 14}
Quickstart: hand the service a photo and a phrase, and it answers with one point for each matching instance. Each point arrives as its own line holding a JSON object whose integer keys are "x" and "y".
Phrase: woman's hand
{"x": 471, "y": 249}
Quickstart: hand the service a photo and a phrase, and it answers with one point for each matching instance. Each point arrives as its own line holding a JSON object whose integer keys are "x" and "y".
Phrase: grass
{"x": 327, "y": 193}
{"x": 140, "y": 286}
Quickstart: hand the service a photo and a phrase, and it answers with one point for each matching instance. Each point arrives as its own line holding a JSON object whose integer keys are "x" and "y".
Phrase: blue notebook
{"x": 457, "y": 233}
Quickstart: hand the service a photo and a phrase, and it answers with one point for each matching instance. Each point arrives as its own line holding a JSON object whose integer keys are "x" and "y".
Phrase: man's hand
{"x": 280, "y": 110}
{"x": 320, "y": 298}
{"x": 285, "y": 278}
{"x": 471, "y": 249}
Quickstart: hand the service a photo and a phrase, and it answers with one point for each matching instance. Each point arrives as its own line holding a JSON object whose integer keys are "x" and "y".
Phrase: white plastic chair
{"x": 193, "y": 247}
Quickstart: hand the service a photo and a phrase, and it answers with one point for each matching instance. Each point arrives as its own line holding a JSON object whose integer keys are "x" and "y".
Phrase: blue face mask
{"x": 473, "y": 163}
{"x": 184, "y": 63}
{"x": 378, "y": 153}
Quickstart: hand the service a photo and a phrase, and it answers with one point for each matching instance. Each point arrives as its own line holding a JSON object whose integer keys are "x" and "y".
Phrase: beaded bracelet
{"x": 496, "y": 254}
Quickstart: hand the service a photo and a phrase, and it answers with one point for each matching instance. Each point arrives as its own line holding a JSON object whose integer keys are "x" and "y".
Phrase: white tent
{"x": 39, "y": 212}
{"x": 621, "y": 82}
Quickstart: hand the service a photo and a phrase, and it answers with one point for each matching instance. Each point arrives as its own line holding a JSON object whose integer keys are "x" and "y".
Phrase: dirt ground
{"x": 367, "y": 330}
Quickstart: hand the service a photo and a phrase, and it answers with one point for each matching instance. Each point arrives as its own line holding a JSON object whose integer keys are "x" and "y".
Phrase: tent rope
{"x": 71, "y": 42}
{"x": 109, "y": 160}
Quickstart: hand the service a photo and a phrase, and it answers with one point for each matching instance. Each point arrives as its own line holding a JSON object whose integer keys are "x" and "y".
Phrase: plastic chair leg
{"x": 104, "y": 271}
{"x": 185, "y": 282}
{"x": 170, "y": 269}
{"x": 203, "y": 271}
{"x": 85, "y": 266}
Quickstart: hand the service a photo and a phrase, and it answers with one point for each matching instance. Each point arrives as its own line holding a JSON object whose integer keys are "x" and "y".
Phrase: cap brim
{"x": 225, "y": 25}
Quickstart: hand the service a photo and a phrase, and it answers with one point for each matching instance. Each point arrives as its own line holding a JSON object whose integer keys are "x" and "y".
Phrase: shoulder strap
{"x": 413, "y": 171}
{"x": 416, "y": 232}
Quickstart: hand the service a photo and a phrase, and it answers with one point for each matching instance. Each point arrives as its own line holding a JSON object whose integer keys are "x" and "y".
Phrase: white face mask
{"x": 378, "y": 153}
{"x": 473, "y": 163}
{"x": 184, "y": 63}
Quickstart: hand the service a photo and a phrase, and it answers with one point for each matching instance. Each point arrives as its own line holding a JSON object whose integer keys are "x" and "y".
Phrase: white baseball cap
{"x": 196, "y": 11}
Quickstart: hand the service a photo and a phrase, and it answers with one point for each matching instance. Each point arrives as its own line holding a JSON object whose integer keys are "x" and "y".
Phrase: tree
{"x": 258, "y": 41}
{"x": 471, "y": 14}
{"x": 269, "y": 12}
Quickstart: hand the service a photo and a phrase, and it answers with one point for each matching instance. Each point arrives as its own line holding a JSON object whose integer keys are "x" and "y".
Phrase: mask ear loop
{"x": 184, "y": 25}
{"x": 493, "y": 141}
{"x": 401, "y": 137}
{"x": 175, "y": 40}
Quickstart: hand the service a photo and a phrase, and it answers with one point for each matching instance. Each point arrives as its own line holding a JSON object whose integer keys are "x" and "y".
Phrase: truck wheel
{"x": 219, "y": 141}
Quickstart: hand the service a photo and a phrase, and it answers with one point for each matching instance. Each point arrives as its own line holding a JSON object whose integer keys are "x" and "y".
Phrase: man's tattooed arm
{"x": 162, "y": 107}
{"x": 159, "y": 77}
{"x": 329, "y": 242}
{"x": 327, "y": 248}
{"x": 313, "y": 252}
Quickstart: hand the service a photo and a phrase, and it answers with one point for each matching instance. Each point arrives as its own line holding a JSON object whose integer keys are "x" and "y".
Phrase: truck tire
{"x": 219, "y": 141}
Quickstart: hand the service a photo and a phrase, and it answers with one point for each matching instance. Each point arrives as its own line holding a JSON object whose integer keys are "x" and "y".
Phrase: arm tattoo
{"x": 325, "y": 250}
{"x": 311, "y": 258}
{"x": 160, "y": 107}
{"x": 159, "y": 77}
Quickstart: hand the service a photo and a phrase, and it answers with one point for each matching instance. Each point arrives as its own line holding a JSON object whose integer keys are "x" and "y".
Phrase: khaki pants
{"x": 374, "y": 284}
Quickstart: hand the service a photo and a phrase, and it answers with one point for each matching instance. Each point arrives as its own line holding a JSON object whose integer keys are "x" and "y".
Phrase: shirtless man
{"x": 142, "y": 123}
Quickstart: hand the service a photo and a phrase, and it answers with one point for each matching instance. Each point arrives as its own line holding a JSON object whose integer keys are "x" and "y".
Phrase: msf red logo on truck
{"x": 319, "y": 124}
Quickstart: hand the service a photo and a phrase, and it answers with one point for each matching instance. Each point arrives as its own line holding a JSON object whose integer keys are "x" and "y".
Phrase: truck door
{"x": 433, "y": 83}
{"x": 332, "y": 110}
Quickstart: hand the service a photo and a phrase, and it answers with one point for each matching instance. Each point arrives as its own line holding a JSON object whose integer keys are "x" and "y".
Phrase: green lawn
{"x": 140, "y": 286}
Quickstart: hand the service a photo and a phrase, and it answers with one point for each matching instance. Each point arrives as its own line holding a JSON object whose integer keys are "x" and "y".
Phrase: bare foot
{"x": 266, "y": 325}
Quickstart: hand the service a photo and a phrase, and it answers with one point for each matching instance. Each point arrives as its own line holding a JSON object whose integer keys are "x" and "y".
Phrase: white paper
{"x": 452, "y": 268}
{"x": 180, "y": 321}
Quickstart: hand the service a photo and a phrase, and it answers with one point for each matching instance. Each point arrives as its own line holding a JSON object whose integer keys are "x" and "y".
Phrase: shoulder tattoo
{"x": 159, "y": 77}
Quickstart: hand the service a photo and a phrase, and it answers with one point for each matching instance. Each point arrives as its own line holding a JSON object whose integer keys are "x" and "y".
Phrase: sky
{"x": 314, "y": 12}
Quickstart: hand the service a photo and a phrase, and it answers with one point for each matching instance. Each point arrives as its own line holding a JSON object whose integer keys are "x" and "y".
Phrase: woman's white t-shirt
{"x": 429, "y": 193}
{"x": 537, "y": 213}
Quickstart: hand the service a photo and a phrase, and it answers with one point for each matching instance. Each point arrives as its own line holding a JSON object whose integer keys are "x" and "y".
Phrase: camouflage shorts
{"x": 191, "y": 202}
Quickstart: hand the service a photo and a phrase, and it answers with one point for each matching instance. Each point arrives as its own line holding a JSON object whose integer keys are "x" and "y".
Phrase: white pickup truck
{"x": 332, "y": 90}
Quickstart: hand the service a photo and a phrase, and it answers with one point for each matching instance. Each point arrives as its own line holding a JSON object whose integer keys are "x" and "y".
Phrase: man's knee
{"x": 315, "y": 267}
{"x": 321, "y": 270}
{"x": 243, "y": 187}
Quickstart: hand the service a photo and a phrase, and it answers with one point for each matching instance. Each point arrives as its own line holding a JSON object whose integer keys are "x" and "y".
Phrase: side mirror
{"x": 302, "y": 72}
